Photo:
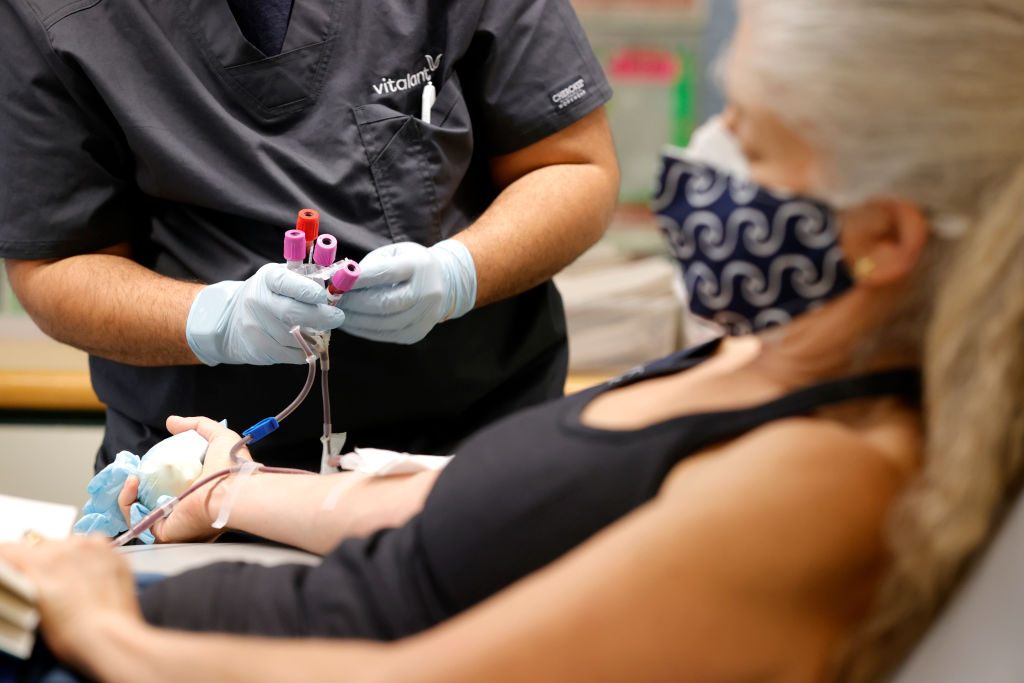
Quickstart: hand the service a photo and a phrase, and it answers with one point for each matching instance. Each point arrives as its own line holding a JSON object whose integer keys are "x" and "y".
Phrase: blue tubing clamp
{"x": 261, "y": 429}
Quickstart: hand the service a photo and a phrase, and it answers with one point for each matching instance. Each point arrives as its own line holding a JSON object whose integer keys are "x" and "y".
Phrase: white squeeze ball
{"x": 171, "y": 466}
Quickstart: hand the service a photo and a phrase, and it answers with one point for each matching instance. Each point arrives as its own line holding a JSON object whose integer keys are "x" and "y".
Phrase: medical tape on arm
{"x": 331, "y": 501}
{"x": 244, "y": 472}
{"x": 377, "y": 462}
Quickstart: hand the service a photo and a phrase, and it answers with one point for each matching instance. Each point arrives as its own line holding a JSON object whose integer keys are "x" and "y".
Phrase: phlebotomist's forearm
{"x": 108, "y": 305}
{"x": 558, "y": 198}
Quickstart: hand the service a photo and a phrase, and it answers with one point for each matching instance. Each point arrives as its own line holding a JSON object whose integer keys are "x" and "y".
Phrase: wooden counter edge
{"x": 71, "y": 390}
{"x": 578, "y": 382}
{"x": 56, "y": 390}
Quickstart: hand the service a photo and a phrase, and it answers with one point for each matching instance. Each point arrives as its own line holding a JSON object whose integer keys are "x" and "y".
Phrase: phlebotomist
{"x": 149, "y": 149}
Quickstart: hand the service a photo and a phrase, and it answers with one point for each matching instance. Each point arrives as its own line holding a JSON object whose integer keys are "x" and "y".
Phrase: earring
{"x": 863, "y": 267}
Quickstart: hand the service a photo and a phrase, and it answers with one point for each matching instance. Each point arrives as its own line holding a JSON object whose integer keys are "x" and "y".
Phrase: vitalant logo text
{"x": 409, "y": 80}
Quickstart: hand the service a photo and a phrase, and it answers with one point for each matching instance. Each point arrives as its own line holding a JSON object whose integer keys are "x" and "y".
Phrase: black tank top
{"x": 519, "y": 494}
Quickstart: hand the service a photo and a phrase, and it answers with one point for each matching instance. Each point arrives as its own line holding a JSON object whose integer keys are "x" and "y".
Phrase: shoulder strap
{"x": 711, "y": 428}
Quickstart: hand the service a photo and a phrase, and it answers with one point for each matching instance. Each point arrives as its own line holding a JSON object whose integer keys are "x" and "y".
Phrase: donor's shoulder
{"x": 815, "y": 482}
{"x": 871, "y": 450}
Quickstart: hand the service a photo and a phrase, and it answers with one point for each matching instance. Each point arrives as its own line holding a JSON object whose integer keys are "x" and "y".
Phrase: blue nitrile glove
{"x": 405, "y": 289}
{"x": 101, "y": 513}
{"x": 249, "y": 322}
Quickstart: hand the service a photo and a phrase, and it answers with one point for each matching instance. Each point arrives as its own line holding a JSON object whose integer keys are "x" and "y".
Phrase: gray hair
{"x": 923, "y": 100}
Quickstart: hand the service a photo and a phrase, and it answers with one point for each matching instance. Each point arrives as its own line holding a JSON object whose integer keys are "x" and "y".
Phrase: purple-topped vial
{"x": 294, "y": 248}
{"x": 325, "y": 251}
{"x": 345, "y": 278}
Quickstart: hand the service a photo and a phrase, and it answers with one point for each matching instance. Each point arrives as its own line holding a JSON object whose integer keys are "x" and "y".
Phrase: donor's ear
{"x": 883, "y": 240}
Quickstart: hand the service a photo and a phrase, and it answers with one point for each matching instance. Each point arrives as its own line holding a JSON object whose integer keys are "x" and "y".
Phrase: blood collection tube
{"x": 309, "y": 223}
{"x": 343, "y": 280}
{"x": 325, "y": 251}
{"x": 295, "y": 249}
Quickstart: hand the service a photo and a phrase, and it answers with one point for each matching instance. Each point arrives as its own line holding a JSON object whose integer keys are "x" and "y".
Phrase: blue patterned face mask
{"x": 751, "y": 258}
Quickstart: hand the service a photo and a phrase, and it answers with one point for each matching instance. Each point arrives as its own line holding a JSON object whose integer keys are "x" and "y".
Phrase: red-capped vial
{"x": 309, "y": 223}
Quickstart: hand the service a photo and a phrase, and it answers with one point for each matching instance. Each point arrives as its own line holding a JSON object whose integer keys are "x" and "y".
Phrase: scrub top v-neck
{"x": 157, "y": 123}
{"x": 269, "y": 85}
{"x": 263, "y": 22}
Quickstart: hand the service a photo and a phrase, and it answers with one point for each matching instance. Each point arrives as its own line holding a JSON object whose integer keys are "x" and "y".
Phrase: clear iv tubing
{"x": 162, "y": 511}
{"x": 311, "y": 360}
{"x": 325, "y": 365}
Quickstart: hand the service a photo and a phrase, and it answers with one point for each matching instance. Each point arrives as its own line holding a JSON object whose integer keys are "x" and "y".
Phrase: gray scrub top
{"x": 155, "y": 122}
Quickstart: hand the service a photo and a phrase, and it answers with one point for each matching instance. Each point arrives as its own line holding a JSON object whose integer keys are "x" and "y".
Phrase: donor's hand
{"x": 192, "y": 519}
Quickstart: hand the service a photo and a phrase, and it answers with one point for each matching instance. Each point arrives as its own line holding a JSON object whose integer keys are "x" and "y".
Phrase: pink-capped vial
{"x": 294, "y": 248}
{"x": 345, "y": 278}
{"x": 325, "y": 251}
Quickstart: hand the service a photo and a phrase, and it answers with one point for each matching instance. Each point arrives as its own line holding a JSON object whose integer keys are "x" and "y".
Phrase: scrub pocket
{"x": 416, "y": 167}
